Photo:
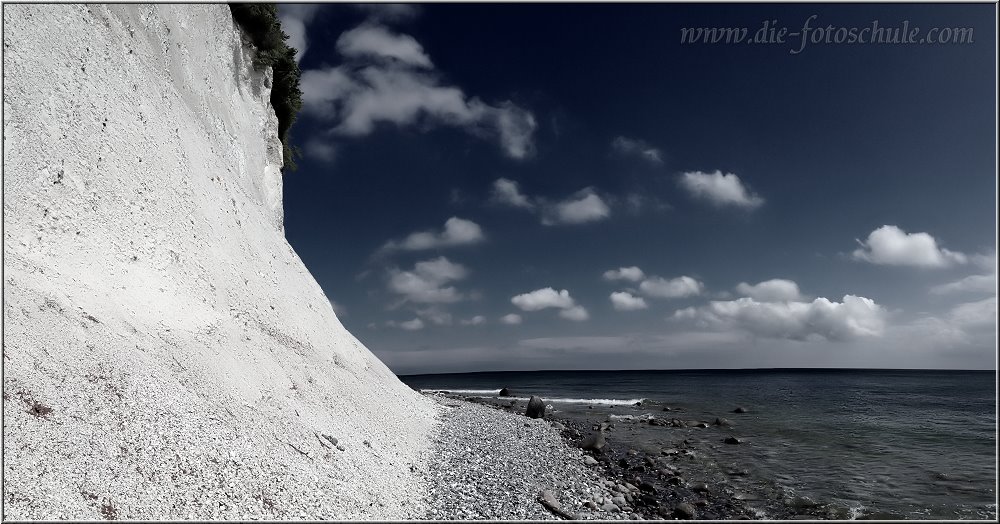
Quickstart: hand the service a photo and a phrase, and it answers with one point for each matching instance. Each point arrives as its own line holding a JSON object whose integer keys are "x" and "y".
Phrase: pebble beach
{"x": 491, "y": 461}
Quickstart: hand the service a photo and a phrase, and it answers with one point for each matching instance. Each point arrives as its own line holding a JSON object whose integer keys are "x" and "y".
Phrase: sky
{"x": 522, "y": 187}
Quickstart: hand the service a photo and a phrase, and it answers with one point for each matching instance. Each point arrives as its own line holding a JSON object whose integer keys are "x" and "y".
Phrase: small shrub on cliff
{"x": 260, "y": 23}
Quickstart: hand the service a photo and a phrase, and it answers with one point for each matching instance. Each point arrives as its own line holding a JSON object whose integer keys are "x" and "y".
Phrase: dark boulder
{"x": 740, "y": 409}
{"x": 685, "y": 511}
{"x": 647, "y": 487}
{"x": 595, "y": 442}
{"x": 722, "y": 422}
{"x": 732, "y": 440}
{"x": 536, "y": 408}
{"x": 504, "y": 392}
{"x": 622, "y": 463}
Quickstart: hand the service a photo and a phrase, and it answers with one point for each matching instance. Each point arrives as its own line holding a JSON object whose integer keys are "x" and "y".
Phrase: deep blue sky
{"x": 404, "y": 128}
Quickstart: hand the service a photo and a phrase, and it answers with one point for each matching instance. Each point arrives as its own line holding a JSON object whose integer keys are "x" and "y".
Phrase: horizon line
{"x": 689, "y": 369}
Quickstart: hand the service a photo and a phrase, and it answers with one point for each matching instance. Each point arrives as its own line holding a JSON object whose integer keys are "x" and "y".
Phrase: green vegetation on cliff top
{"x": 260, "y": 23}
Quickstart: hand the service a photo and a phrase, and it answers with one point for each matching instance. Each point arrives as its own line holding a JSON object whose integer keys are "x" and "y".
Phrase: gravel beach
{"x": 490, "y": 464}
{"x": 490, "y": 461}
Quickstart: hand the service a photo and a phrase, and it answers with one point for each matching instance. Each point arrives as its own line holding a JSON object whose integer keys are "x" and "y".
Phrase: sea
{"x": 865, "y": 444}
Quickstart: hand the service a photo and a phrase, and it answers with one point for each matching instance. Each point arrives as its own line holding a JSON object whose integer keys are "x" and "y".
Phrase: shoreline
{"x": 639, "y": 484}
{"x": 487, "y": 464}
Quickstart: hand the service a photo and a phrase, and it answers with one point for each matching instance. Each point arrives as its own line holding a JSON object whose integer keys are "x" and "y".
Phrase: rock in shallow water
{"x": 733, "y": 440}
{"x": 594, "y": 442}
{"x": 504, "y": 392}
{"x": 685, "y": 511}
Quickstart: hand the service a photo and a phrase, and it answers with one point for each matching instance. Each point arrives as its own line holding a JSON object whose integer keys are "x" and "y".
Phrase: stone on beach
{"x": 549, "y": 501}
{"x": 595, "y": 442}
{"x": 504, "y": 392}
{"x": 536, "y": 408}
{"x": 699, "y": 487}
{"x": 487, "y": 466}
{"x": 685, "y": 511}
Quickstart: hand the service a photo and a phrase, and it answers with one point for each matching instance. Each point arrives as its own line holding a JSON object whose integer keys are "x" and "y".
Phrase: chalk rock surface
{"x": 166, "y": 353}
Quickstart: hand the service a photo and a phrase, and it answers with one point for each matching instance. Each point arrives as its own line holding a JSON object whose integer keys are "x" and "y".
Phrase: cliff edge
{"x": 166, "y": 353}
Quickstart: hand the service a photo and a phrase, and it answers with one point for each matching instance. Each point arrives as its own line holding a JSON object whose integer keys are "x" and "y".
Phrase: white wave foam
{"x": 855, "y": 512}
{"x": 464, "y": 391}
{"x": 560, "y": 400}
{"x": 603, "y": 401}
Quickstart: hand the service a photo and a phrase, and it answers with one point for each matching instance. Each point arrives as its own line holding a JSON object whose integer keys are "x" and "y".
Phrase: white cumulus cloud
{"x": 408, "y": 325}
{"x": 773, "y": 290}
{"x": 456, "y": 232}
{"x": 631, "y": 273}
{"x": 720, "y": 189}
{"x": 426, "y": 283}
{"x": 294, "y": 19}
{"x": 388, "y": 78}
{"x": 637, "y": 148}
{"x": 969, "y": 284}
{"x": 680, "y": 287}
{"x": 375, "y": 41}
{"x": 511, "y": 319}
{"x": 890, "y": 245}
{"x": 584, "y": 206}
{"x": 477, "y": 320}
{"x": 542, "y": 299}
{"x": 508, "y": 192}
{"x": 820, "y": 319}
{"x": 625, "y": 301}
{"x": 581, "y": 207}
{"x": 575, "y": 313}
{"x": 550, "y": 298}
{"x": 435, "y": 315}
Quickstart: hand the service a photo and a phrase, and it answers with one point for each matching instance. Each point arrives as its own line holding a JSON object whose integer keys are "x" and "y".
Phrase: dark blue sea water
{"x": 886, "y": 444}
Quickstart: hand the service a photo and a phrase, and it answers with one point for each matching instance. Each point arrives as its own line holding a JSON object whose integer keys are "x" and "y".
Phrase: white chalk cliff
{"x": 191, "y": 363}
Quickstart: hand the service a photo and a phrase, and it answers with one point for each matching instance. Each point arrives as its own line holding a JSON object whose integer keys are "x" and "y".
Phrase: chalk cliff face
{"x": 190, "y": 361}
